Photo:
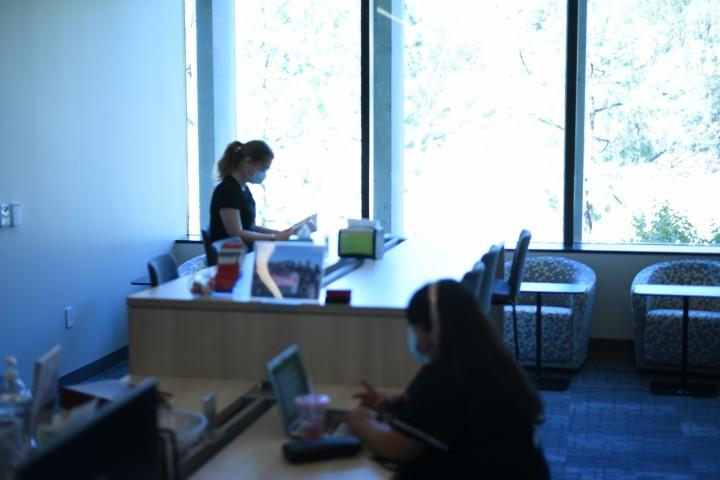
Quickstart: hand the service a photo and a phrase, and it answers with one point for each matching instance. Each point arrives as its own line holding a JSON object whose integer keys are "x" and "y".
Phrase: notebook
{"x": 287, "y": 376}
{"x": 287, "y": 272}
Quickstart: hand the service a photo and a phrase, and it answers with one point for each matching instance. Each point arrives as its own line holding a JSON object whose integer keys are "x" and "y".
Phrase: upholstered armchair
{"x": 657, "y": 321}
{"x": 565, "y": 318}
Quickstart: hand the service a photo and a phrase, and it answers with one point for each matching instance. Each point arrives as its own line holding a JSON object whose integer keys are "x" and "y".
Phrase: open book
{"x": 310, "y": 222}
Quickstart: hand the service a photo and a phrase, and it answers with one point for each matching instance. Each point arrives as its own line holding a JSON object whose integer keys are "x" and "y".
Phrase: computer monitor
{"x": 119, "y": 442}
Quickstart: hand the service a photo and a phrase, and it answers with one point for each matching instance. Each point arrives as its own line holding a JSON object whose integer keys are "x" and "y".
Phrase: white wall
{"x": 92, "y": 144}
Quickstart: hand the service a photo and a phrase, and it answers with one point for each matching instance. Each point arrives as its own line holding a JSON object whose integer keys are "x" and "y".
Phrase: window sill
{"x": 626, "y": 248}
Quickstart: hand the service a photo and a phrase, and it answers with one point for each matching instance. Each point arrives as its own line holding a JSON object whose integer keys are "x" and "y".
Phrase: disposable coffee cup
{"x": 311, "y": 412}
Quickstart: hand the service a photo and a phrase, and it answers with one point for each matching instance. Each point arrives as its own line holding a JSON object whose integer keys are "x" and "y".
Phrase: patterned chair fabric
{"x": 565, "y": 318}
{"x": 192, "y": 265}
{"x": 657, "y": 321}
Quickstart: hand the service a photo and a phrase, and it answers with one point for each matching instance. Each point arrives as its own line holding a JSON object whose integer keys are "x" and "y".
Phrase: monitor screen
{"x": 288, "y": 379}
{"x": 119, "y": 442}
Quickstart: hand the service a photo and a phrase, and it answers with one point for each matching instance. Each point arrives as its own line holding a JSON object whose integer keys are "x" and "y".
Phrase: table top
{"x": 677, "y": 290}
{"x": 187, "y": 393}
{"x": 256, "y": 452}
{"x": 392, "y": 281}
{"x": 552, "y": 287}
{"x": 387, "y": 283}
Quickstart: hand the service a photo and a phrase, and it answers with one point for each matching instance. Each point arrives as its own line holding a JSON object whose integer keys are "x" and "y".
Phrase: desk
{"x": 226, "y": 336}
{"x": 256, "y": 452}
{"x": 682, "y": 388}
{"x": 547, "y": 383}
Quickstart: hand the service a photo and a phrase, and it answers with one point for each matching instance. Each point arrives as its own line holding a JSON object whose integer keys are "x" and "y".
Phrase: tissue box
{"x": 361, "y": 240}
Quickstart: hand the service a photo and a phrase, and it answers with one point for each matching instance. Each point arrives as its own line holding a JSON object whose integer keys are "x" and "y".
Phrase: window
{"x": 652, "y": 126}
{"x": 484, "y": 103}
{"x": 298, "y": 88}
{"x": 468, "y": 113}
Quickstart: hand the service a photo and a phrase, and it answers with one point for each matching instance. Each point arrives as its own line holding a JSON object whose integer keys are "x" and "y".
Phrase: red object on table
{"x": 230, "y": 258}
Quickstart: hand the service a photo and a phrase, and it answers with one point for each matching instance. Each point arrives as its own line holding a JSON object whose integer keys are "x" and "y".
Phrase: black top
{"x": 230, "y": 194}
{"x": 482, "y": 437}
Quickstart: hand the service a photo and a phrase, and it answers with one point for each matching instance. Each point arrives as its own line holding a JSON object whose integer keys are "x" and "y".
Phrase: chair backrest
{"x": 555, "y": 269}
{"x": 192, "y": 265}
{"x": 489, "y": 261}
{"x": 518, "y": 263}
{"x": 210, "y": 252}
{"x": 474, "y": 278}
{"x": 162, "y": 268}
{"x": 681, "y": 272}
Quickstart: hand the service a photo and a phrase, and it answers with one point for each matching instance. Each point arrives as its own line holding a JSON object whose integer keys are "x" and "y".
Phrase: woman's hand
{"x": 284, "y": 235}
{"x": 371, "y": 398}
{"x": 360, "y": 420}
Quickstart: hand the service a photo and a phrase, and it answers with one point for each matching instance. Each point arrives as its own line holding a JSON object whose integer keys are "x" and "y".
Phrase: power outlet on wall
{"x": 5, "y": 215}
{"x": 69, "y": 317}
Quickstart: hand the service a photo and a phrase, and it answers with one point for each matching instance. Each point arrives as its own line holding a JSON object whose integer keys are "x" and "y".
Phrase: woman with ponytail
{"x": 232, "y": 208}
{"x": 470, "y": 412}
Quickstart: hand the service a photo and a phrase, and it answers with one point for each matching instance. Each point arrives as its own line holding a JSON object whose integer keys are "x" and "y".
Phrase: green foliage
{"x": 715, "y": 239}
{"x": 668, "y": 226}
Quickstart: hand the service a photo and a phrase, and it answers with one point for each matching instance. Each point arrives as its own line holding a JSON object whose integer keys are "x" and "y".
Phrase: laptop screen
{"x": 289, "y": 271}
{"x": 288, "y": 379}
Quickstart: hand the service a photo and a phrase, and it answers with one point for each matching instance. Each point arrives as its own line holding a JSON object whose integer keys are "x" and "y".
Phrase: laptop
{"x": 287, "y": 272}
{"x": 288, "y": 379}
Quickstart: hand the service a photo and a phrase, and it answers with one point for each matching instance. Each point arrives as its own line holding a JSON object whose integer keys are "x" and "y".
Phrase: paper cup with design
{"x": 311, "y": 412}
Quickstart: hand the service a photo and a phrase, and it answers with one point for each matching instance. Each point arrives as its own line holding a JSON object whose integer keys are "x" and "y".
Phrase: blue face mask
{"x": 258, "y": 177}
{"x": 421, "y": 357}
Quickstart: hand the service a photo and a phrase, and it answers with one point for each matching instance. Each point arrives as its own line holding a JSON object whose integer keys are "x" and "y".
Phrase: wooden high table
{"x": 171, "y": 333}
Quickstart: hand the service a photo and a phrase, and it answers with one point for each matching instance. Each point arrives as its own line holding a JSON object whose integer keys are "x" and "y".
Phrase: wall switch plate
{"x": 69, "y": 317}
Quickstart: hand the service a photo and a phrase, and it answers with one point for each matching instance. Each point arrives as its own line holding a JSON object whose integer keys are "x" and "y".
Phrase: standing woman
{"x": 470, "y": 412}
{"x": 232, "y": 208}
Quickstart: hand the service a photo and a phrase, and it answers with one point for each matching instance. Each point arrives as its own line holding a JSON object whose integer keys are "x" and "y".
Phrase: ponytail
{"x": 230, "y": 159}
{"x": 256, "y": 150}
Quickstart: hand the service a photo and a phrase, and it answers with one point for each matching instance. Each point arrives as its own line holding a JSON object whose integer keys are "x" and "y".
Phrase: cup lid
{"x": 312, "y": 400}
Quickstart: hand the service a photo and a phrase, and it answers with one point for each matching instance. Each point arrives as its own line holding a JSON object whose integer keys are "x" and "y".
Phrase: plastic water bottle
{"x": 15, "y": 401}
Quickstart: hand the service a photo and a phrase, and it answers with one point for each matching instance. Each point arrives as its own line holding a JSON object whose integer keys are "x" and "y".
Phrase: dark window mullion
{"x": 574, "y": 121}
{"x": 365, "y": 106}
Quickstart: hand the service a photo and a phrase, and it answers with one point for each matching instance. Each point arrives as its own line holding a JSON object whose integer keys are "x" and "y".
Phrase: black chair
{"x": 210, "y": 252}
{"x": 473, "y": 279}
{"x": 489, "y": 261}
{"x": 162, "y": 268}
{"x": 504, "y": 292}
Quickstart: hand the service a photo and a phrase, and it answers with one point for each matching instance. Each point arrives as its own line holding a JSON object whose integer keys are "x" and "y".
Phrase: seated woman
{"x": 232, "y": 208}
{"x": 470, "y": 412}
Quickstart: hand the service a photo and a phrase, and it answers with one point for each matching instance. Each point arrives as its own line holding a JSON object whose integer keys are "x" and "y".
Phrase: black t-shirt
{"x": 230, "y": 194}
{"x": 483, "y": 439}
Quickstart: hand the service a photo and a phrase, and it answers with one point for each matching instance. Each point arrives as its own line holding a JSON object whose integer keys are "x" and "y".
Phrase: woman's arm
{"x": 233, "y": 226}
{"x": 261, "y": 229}
{"x": 381, "y": 439}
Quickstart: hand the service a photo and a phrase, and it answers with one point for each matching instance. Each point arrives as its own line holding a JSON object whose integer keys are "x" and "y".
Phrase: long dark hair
{"x": 256, "y": 150}
{"x": 481, "y": 364}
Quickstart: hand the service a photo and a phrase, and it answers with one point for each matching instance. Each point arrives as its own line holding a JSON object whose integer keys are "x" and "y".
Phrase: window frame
{"x": 369, "y": 205}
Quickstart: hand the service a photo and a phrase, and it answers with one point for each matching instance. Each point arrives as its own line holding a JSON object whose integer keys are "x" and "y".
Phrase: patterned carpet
{"x": 609, "y": 426}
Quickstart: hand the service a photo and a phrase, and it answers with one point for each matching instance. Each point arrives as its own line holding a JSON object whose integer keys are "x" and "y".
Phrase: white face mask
{"x": 258, "y": 176}
{"x": 421, "y": 357}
